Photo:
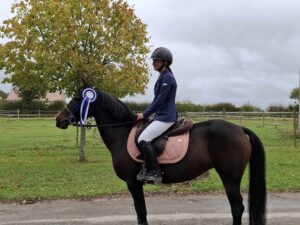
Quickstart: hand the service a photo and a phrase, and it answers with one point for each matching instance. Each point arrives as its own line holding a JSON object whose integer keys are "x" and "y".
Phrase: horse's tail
{"x": 257, "y": 178}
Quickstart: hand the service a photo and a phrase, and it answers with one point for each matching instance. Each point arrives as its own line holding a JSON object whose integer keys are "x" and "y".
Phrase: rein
{"x": 106, "y": 125}
{"x": 72, "y": 121}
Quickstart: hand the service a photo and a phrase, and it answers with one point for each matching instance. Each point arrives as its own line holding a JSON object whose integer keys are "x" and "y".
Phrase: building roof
{"x": 50, "y": 97}
{"x": 12, "y": 96}
{"x": 56, "y": 96}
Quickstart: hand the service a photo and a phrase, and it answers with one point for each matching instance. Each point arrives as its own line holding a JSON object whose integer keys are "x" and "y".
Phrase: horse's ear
{"x": 85, "y": 84}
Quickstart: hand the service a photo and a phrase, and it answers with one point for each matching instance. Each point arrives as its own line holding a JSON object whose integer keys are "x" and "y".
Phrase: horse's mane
{"x": 117, "y": 108}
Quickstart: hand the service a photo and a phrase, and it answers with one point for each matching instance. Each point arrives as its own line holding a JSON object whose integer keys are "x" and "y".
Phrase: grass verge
{"x": 39, "y": 161}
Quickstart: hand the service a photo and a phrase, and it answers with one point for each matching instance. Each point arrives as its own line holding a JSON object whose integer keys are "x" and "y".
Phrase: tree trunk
{"x": 82, "y": 144}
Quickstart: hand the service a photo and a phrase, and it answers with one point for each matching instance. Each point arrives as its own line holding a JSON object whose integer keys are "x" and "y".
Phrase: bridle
{"x": 72, "y": 120}
{"x": 89, "y": 95}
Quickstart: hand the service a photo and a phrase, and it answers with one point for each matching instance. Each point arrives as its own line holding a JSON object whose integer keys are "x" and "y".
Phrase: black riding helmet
{"x": 163, "y": 54}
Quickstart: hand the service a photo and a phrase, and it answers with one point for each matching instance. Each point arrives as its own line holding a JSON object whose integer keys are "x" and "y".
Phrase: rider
{"x": 163, "y": 105}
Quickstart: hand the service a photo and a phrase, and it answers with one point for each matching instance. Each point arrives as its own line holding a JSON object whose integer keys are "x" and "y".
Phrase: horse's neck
{"x": 115, "y": 138}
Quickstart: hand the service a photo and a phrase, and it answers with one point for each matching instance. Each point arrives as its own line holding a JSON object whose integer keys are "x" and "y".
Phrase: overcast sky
{"x": 238, "y": 51}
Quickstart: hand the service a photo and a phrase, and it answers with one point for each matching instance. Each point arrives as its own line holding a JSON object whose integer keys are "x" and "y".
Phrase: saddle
{"x": 170, "y": 147}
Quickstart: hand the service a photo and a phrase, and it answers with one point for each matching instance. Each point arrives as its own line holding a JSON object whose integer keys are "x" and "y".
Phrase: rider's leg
{"x": 153, "y": 172}
{"x": 155, "y": 129}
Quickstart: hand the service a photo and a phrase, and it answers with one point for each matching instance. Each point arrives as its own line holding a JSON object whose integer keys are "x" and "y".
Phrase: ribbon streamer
{"x": 89, "y": 96}
{"x": 84, "y": 110}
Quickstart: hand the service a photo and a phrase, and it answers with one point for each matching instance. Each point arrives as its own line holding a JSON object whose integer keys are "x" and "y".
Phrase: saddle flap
{"x": 174, "y": 150}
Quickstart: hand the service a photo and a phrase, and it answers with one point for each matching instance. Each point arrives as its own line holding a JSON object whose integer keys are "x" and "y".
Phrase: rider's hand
{"x": 139, "y": 116}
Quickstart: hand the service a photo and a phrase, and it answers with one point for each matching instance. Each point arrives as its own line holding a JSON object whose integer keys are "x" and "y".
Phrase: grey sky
{"x": 235, "y": 51}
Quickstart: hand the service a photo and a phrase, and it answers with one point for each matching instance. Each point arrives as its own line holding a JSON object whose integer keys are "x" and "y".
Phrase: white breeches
{"x": 155, "y": 129}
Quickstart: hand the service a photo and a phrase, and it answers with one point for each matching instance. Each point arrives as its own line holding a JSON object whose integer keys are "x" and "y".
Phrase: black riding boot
{"x": 153, "y": 170}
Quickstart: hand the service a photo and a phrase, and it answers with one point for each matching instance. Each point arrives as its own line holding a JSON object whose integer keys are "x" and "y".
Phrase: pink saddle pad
{"x": 175, "y": 149}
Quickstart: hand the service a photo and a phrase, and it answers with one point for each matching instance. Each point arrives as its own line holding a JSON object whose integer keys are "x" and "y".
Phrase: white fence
{"x": 27, "y": 114}
{"x": 239, "y": 117}
{"x": 238, "y": 114}
{"x": 206, "y": 115}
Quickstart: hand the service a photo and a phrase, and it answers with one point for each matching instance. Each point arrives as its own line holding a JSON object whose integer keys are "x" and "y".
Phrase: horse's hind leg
{"x": 136, "y": 190}
{"x": 235, "y": 198}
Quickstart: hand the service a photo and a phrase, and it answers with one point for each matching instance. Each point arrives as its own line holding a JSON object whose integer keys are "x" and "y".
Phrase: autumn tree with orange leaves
{"x": 52, "y": 44}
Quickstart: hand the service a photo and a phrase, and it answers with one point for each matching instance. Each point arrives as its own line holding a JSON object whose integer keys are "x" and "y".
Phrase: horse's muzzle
{"x": 61, "y": 121}
{"x": 62, "y": 124}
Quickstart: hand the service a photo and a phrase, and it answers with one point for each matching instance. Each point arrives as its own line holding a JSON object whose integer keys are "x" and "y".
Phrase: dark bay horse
{"x": 213, "y": 144}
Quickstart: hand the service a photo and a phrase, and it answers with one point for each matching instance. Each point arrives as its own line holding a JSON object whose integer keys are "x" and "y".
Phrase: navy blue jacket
{"x": 163, "y": 103}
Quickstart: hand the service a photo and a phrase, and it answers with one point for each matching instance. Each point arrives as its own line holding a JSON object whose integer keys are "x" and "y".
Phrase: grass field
{"x": 39, "y": 161}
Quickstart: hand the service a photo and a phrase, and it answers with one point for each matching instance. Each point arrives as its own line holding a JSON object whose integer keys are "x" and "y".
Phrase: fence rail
{"x": 284, "y": 124}
{"x": 238, "y": 114}
{"x": 27, "y": 113}
{"x": 204, "y": 115}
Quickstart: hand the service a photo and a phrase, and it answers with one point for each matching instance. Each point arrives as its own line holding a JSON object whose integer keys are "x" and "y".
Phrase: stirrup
{"x": 153, "y": 176}
{"x": 141, "y": 175}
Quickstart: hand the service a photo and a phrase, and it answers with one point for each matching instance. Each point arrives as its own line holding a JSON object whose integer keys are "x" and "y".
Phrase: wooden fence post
{"x": 77, "y": 135}
{"x": 295, "y": 128}
{"x": 264, "y": 119}
{"x": 241, "y": 117}
{"x": 82, "y": 144}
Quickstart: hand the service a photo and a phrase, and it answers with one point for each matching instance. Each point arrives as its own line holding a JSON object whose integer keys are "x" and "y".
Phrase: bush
{"x": 1, "y": 104}
{"x": 228, "y": 107}
{"x": 277, "y": 108}
{"x": 56, "y": 105}
{"x": 14, "y": 105}
{"x": 249, "y": 108}
{"x": 188, "y": 107}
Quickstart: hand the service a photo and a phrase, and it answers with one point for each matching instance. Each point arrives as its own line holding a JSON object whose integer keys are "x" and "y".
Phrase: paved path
{"x": 208, "y": 209}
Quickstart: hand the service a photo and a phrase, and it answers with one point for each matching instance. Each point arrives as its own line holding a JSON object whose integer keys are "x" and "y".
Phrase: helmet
{"x": 163, "y": 54}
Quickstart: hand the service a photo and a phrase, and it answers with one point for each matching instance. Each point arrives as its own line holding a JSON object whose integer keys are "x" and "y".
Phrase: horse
{"x": 217, "y": 144}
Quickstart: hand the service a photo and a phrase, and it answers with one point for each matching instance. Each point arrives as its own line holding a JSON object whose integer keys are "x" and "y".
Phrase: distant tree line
{"x": 185, "y": 106}
{"x": 218, "y": 107}
{"x": 139, "y": 107}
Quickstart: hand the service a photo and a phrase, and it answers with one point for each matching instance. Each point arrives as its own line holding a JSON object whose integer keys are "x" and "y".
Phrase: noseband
{"x": 71, "y": 118}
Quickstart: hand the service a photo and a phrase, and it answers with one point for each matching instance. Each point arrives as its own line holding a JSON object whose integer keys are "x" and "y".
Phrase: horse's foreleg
{"x": 136, "y": 190}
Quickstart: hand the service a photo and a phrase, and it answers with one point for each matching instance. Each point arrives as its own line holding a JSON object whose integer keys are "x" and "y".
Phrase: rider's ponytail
{"x": 168, "y": 68}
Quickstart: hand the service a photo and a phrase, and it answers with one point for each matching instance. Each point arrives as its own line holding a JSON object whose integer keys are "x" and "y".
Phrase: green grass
{"x": 39, "y": 161}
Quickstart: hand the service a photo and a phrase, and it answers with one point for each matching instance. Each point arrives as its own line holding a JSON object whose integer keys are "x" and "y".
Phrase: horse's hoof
{"x": 145, "y": 223}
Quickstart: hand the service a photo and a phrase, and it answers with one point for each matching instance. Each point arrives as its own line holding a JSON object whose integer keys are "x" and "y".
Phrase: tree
{"x": 53, "y": 44}
{"x": 295, "y": 94}
{"x": 3, "y": 95}
{"x": 28, "y": 94}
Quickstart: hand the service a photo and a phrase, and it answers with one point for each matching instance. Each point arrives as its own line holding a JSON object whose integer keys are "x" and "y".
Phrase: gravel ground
{"x": 200, "y": 209}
